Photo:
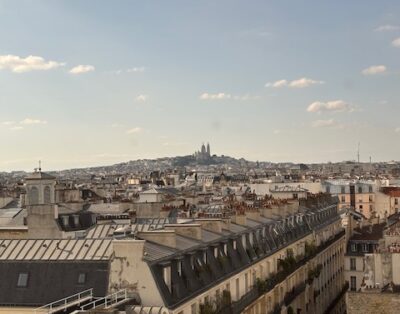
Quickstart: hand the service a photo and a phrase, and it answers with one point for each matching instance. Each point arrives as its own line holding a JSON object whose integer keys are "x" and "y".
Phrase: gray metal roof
{"x": 153, "y": 251}
{"x": 55, "y": 250}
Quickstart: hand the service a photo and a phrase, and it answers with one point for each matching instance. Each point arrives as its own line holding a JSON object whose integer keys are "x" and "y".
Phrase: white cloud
{"x": 325, "y": 124}
{"x": 219, "y": 96}
{"x": 330, "y": 106}
{"x": 386, "y": 28}
{"x": 245, "y": 97}
{"x": 16, "y": 128}
{"x": 141, "y": 98}
{"x": 374, "y": 69}
{"x": 224, "y": 96}
{"x": 277, "y": 84}
{"x": 80, "y": 69}
{"x": 396, "y": 42}
{"x": 134, "y": 130}
{"x": 32, "y": 121}
{"x": 17, "y": 64}
{"x": 299, "y": 83}
{"x": 8, "y": 123}
{"x": 136, "y": 69}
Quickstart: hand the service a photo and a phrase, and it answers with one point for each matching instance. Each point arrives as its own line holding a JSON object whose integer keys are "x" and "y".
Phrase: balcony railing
{"x": 271, "y": 282}
{"x": 338, "y": 298}
{"x": 294, "y": 293}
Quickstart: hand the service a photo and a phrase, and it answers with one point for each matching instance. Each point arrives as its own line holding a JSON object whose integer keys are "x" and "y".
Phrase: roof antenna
{"x": 40, "y": 166}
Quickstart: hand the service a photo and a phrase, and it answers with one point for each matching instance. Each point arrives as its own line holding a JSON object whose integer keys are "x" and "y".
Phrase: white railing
{"x": 65, "y": 303}
{"x": 107, "y": 301}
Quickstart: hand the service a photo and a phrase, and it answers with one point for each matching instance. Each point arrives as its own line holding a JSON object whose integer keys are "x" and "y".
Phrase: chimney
{"x": 211, "y": 224}
{"x": 253, "y": 214}
{"x": 226, "y": 223}
{"x": 188, "y": 230}
{"x": 239, "y": 219}
{"x": 266, "y": 212}
{"x": 163, "y": 237}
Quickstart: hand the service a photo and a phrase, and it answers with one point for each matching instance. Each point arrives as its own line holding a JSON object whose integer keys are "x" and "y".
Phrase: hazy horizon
{"x": 306, "y": 81}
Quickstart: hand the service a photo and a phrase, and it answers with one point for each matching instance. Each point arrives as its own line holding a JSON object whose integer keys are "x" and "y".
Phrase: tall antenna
{"x": 358, "y": 153}
{"x": 40, "y": 165}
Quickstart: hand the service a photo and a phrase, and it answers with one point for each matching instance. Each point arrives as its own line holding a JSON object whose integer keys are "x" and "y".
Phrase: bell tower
{"x": 41, "y": 206}
{"x": 40, "y": 188}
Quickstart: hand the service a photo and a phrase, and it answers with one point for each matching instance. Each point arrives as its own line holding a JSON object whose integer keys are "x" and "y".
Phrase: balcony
{"x": 293, "y": 294}
{"x": 338, "y": 298}
{"x": 265, "y": 286}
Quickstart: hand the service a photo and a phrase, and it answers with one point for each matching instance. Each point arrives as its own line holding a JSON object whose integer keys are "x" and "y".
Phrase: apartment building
{"x": 356, "y": 195}
{"x": 246, "y": 261}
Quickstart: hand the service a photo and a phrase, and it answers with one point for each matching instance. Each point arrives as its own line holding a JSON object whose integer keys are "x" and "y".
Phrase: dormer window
{"x": 81, "y": 278}
{"x": 365, "y": 247}
{"x": 179, "y": 267}
{"x": 22, "y": 280}
{"x": 353, "y": 247}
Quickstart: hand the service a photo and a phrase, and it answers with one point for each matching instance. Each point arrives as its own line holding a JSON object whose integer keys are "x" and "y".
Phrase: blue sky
{"x": 111, "y": 81}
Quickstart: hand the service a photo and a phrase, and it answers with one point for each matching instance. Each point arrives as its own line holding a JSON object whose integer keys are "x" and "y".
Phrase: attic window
{"x": 81, "y": 278}
{"x": 22, "y": 280}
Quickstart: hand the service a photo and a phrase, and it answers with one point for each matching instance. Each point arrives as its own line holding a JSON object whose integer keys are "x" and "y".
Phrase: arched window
{"x": 34, "y": 196}
{"x": 47, "y": 197}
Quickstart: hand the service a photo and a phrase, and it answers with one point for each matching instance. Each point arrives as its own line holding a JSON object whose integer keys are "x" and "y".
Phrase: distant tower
{"x": 208, "y": 150}
{"x": 203, "y": 149}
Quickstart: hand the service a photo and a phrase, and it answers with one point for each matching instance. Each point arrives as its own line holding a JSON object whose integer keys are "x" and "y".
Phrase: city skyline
{"x": 86, "y": 86}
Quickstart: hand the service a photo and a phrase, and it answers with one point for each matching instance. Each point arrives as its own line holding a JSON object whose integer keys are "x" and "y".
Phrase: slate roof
{"x": 48, "y": 282}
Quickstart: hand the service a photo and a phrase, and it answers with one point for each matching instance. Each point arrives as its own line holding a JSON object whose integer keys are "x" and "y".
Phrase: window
{"x": 34, "y": 196}
{"x": 47, "y": 197}
{"x": 328, "y": 189}
{"x": 295, "y": 196}
{"x": 194, "y": 308}
{"x": 353, "y": 283}
{"x": 237, "y": 289}
{"x": 352, "y": 264}
{"x": 23, "y": 280}
{"x": 343, "y": 199}
{"x": 81, "y": 278}
{"x": 396, "y": 201}
{"x": 343, "y": 190}
{"x": 226, "y": 249}
{"x": 370, "y": 189}
{"x": 234, "y": 244}
{"x": 179, "y": 268}
{"x": 354, "y": 247}
{"x": 365, "y": 247}
{"x": 360, "y": 190}
{"x": 215, "y": 252}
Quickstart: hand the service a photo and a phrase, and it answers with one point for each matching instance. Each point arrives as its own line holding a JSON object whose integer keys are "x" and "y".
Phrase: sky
{"x": 87, "y": 83}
